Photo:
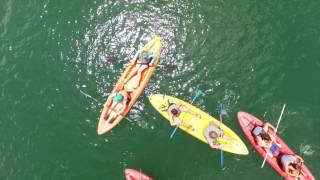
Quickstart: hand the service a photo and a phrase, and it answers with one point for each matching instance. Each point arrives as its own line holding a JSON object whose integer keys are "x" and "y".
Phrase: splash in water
{"x": 306, "y": 150}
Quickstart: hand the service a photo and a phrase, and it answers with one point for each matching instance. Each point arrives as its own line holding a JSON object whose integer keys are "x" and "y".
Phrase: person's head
{"x": 175, "y": 112}
{"x": 265, "y": 136}
{"x": 118, "y": 98}
{"x": 213, "y": 134}
{"x": 294, "y": 165}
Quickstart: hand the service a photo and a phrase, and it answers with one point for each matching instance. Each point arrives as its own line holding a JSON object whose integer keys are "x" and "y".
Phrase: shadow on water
{"x": 112, "y": 58}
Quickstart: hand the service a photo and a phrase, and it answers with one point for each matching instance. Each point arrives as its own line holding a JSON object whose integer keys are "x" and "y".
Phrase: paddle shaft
{"x": 275, "y": 131}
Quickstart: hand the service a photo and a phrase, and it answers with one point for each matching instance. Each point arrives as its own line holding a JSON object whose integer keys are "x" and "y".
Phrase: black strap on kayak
{"x": 165, "y": 107}
{"x": 144, "y": 63}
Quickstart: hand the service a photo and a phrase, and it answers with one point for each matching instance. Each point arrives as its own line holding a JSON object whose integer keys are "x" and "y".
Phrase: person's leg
{"x": 109, "y": 100}
{"x": 188, "y": 110}
{"x": 140, "y": 70}
{"x": 121, "y": 108}
{"x": 114, "y": 112}
{"x": 179, "y": 122}
{"x": 132, "y": 73}
{"x": 110, "y": 110}
{"x": 227, "y": 146}
{"x": 188, "y": 126}
{"x": 112, "y": 116}
{"x": 228, "y": 138}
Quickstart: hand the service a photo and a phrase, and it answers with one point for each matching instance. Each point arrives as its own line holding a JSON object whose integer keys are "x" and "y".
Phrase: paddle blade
{"x": 222, "y": 111}
{"x": 198, "y": 94}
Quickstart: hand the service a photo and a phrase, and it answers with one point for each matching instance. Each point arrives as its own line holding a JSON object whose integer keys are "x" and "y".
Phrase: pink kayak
{"x": 248, "y": 122}
{"x": 132, "y": 174}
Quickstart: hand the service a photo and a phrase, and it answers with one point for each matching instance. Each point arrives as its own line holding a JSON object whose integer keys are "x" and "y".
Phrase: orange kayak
{"x": 154, "y": 46}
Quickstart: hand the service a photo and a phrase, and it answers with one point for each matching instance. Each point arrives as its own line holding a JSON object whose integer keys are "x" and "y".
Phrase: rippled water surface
{"x": 59, "y": 60}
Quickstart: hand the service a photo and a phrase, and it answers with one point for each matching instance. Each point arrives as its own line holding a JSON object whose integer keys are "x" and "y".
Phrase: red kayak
{"x": 132, "y": 174}
{"x": 248, "y": 122}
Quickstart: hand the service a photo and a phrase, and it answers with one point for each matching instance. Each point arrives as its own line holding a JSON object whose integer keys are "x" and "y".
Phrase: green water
{"x": 60, "y": 59}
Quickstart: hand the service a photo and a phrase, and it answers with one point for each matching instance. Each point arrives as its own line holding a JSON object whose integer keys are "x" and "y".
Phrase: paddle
{"x": 275, "y": 132}
{"x": 198, "y": 93}
{"x": 222, "y": 111}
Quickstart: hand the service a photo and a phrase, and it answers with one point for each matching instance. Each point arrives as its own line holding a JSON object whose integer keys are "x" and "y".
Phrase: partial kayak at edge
{"x": 248, "y": 122}
{"x": 132, "y": 174}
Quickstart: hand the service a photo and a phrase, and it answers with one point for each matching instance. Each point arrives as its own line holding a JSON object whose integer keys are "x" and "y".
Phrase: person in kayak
{"x": 117, "y": 103}
{"x": 212, "y": 133}
{"x": 142, "y": 60}
{"x": 175, "y": 110}
{"x": 292, "y": 165}
{"x": 264, "y": 139}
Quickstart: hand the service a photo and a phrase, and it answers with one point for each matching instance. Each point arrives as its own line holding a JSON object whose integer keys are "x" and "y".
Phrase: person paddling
{"x": 117, "y": 103}
{"x": 142, "y": 60}
{"x": 212, "y": 133}
{"x": 292, "y": 165}
{"x": 264, "y": 139}
{"x": 175, "y": 110}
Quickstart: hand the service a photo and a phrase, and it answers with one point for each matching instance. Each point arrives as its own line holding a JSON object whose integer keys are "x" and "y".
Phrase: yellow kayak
{"x": 231, "y": 141}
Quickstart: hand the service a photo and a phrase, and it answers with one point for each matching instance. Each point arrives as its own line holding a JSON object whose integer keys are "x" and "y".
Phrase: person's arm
{"x": 188, "y": 126}
{"x": 109, "y": 100}
{"x": 135, "y": 57}
{"x": 300, "y": 159}
{"x": 221, "y": 131}
{"x": 286, "y": 169}
{"x": 292, "y": 171}
{"x": 152, "y": 61}
{"x": 186, "y": 109}
{"x": 266, "y": 127}
{"x": 262, "y": 143}
{"x": 216, "y": 146}
{"x": 123, "y": 108}
{"x": 300, "y": 172}
{"x": 259, "y": 141}
{"x": 274, "y": 141}
{"x": 172, "y": 120}
{"x": 125, "y": 96}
